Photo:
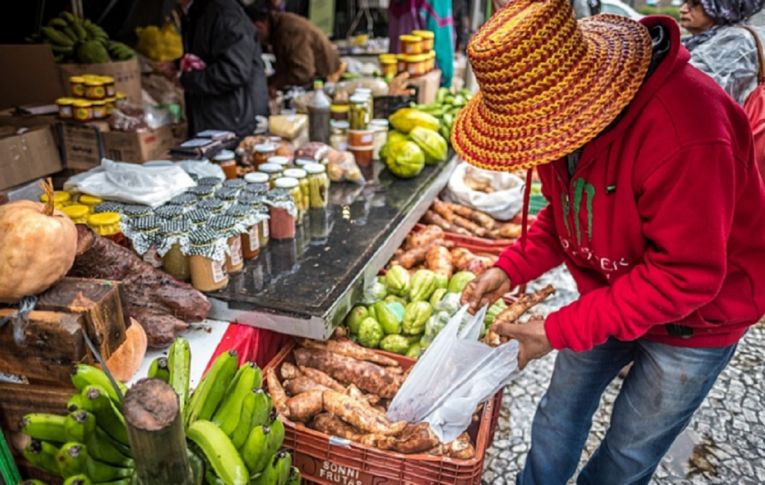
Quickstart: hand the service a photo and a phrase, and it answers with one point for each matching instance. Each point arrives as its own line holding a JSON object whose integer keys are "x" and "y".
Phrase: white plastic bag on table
{"x": 454, "y": 375}
{"x": 503, "y": 203}
{"x": 130, "y": 182}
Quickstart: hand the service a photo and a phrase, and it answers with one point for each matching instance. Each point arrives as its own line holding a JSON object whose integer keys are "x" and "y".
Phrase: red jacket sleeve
{"x": 543, "y": 250}
{"x": 687, "y": 206}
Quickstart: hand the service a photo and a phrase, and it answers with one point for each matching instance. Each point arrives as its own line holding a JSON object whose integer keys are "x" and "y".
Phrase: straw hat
{"x": 549, "y": 84}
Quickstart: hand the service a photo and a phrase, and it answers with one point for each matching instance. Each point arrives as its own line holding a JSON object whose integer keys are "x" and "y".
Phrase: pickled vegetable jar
{"x": 273, "y": 171}
{"x": 318, "y": 184}
{"x": 257, "y": 182}
{"x": 292, "y": 186}
{"x": 301, "y": 176}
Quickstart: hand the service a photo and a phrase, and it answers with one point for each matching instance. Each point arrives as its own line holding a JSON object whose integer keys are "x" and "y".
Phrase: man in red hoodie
{"x": 655, "y": 207}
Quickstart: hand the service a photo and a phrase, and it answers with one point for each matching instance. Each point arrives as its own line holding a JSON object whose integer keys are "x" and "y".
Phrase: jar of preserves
{"x": 339, "y": 112}
{"x": 232, "y": 229}
{"x": 389, "y": 66}
{"x": 77, "y": 85}
{"x": 110, "y": 103}
{"x": 226, "y": 160}
{"x": 99, "y": 109}
{"x": 401, "y": 63}
{"x": 273, "y": 171}
{"x": 60, "y": 199}
{"x": 109, "y": 86}
{"x": 284, "y": 162}
{"x": 65, "y": 108}
{"x": 212, "y": 206}
{"x": 82, "y": 110}
{"x": 94, "y": 88}
{"x": 283, "y": 214}
{"x": 257, "y": 182}
{"x": 108, "y": 225}
{"x": 338, "y": 137}
{"x": 185, "y": 201}
{"x": 91, "y": 201}
{"x": 263, "y": 152}
{"x": 318, "y": 184}
{"x": 136, "y": 211}
{"x": 109, "y": 206}
{"x": 169, "y": 212}
{"x": 201, "y": 192}
{"x": 417, "y": 65}
{"x": 227, "y": 195}
{"x": 258, "y": 207}
{"x": 292, "y": 186}
{"x": 198, "y": 217}
{"x": 302, "y": 177}
{"x": 359, "y": 113}
{"x": 237, "y": 183}
{"x": 214, "y": 182}
{"x": 78, "y": 213}
{"x": 411, "y": 44}
{"x": 174, "y": 247}
{"x": 250, "y": 239}
{"x": 143, "y": 234}
{"x": 207, "y": 256}
{"x": 427, "y": 38}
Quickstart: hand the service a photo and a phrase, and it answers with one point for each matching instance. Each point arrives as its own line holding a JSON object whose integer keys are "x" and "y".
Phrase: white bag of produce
{"x": 130, "y": 182}
{"x": 499, "y": 194}
{"x": 456, "y": 373}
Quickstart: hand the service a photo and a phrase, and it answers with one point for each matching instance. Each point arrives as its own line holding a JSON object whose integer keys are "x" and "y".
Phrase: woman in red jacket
{"x": 655, "y": 207}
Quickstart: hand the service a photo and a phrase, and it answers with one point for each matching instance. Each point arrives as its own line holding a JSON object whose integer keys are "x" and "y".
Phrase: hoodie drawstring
{"x": 525, "y": 218}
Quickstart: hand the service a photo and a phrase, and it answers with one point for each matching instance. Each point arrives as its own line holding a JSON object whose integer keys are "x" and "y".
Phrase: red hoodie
{"x": 663, "y": 221}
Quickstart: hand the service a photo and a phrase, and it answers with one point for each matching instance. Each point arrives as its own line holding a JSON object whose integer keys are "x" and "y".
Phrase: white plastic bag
{"x": 130, "y": 182}
{"x": 454, "y": 375}
{"x": 503, "y": 203}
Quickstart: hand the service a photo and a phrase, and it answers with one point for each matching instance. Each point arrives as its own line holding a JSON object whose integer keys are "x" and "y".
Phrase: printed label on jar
{"x": 266, "y": 230}
{"x": 236, "y": 251}
{"x": 254, "y": 241}
{"x": 218, "y": 274}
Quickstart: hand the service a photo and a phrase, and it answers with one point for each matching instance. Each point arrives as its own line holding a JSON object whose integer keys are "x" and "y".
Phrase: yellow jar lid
{"x": 416, "y": 58}
{"x": 77, "y": 79}
{"x": 384, "y": 57}
{"x": 431, "y": 54}
{"x": 94, "y": 82}
{"x": 82, "y": 103}
{"x": 76, "y": 211}
{"x": 59, "y": 197}
{"x": 107, "y": 79}
{"x": 90, "y": 200}
{"x": 104, "y": 219}
{"x": 339, "y": 108}
{"x": 425, "y": 34}
{"x": 409, "y": 38}
{"x": 65, "y": 101}
{"x": 121, "y": 95}
{"x": 98, "y": 102}
{"x": 388, "y": 60}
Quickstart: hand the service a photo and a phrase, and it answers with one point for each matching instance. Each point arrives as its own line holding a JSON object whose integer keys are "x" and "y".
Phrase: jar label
{"x": 218, "y": 274}
{"x": 254, "y": 241}
{"x": 266, "y": 230}
{"x": 236, "y": 251}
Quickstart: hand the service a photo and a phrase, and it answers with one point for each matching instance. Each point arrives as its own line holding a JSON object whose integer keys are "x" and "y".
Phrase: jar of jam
{"x": 257, "y": 182}
{"x": 284, "y": 162}
{"x": 263, "y": 152}
{"x": 209, "y": 182}
{"x": 226, "y": 160}
{"x": 136, "y": 211}
{"x": 108, "y": 225}
{"x": 283, "y": 214}
{"x": 202, "y": 192}
{"x": 339, "y": 112}
{"x": 428, "y": 39}
{"x": 227, "y": 195}
{"x": 212, "y": 206}
{"x": 250, "y": 239}
{"x": 82, "y": 110}
{"x": 78, "y": 213}
{"x": 109, "y": 86}
{"x": 232, "y": 229}
{"x": 237, "y": 183}
{"x": 143, "y": 233}
{"x": 207, "y": 256}
{"x": 60, "y": 199}
{"x": 302, "y": 177}
{"x": 94, "y": 88}
{"x": 99, "y": 109}
{"x": 65, "y": 108}
{"x": 198, "y": 217}
{"x": 91, "y": 201}
{"x": 411, "y": 44}
{"x": 318, "y": 184}
{"x": 77, "y": 85}
{"x": 273, "y": 171}
{"x": 293, "y": 187}
{"x": 185, "y": 201}
{"x": 169, "y": 212}
{"x": 173, "y": 248}
{"x": 258, "y": 207}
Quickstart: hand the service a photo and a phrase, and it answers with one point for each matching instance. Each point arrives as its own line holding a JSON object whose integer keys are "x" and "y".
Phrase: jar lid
{"x": 265, "y": 148}
{"x": 379, "y": 123}
{"x": 235, "y": 184}
{"x": 270, "y": 168}
{"x": 239, "y": 211}
{"x": 224, "y": 155}
{"x": 109, "y": 206}
{"x": 339, "y": 108}
{"x": 90, "y": 199}
{"x": 286, "y": 183}
{"x": 59, "y": 196}
{"x": 135, "y": 210}
{"x": 302, "y": 161}
{"x": 184, "y": 200}
{"x": 203, "y": 237}
{"x": 295, "y": 173}
{"x": 121, "y": 95}
{"x": 256, "y": 178}
{"x": 201, "y": 190}
{"x": 279, "y": 160}
{"x": 198, "y": 215}
{"x": 65, "y": 101}
{"x": 409, "y": 38}
{"x": 212, "y": 205}
{"x": 227, "y": 193}
{"x": 424, "y": 34}
{"x": 176, "y": 227}
{"x": 93, "y": 82}
{"x": 169, "y": 212}
{"x": 387, "y": 57}
{"x": 222, "y": 223}
{"x": 104, "y": 219}
{"x": 359, "y": 99}
{"x": 76, "y": 79}
{"x": 146, "y": 224}
{"x": 251, "y": 198}
{"x": 76, "y": 211}
{"x": 339, "y": 124}
{"x": 314, "y": 168}
{"x": 107, "y": 79}
{"x": 417, "y": 58}
{"x": 81, "y": 103}
{"x": 211, "y": 181}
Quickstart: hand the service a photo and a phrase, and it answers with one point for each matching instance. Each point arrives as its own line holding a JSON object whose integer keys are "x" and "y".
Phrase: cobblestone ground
{"x": 724, "y": 444}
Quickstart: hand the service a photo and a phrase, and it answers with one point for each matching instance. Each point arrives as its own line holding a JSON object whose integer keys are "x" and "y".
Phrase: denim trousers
{"x": 657, "y": 400}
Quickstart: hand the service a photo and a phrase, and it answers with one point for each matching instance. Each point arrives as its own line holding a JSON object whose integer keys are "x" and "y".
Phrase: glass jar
{"x": 185, "y": 201}
{"x": 250, "y": 239}
{"x": 339, "y": 112}
{"x": 273, "y": 171}
{"x": 427, "y": 38}
{"x": 82, "y": 110}
{"x": 136, "y": 211}
{"x": 283, "y": 214}
{"x": 78, "y": 213}
{"x": 60, "y": 199}
{"x": 367, "y": 93}
{"x": 226, "y": 160}
{"x": 263, "y": 152}
{"x": 257, "y": 182}
{"x": 173, "y": 248}
{"x": 293, "y": 187}
{"x": 411, "y": 44}
{"x": 109, "y": 206}
{"x": 417, "y": 65}
{"x": 77, "y": 85}
{"x": 108, "y": 225}
{"x": 227, "y": 195}
{"x": 388, "y": 66}
{"x": 302, "y": 177}
{"x": 236, "y": 183}
{"x": 91, "y": 201}
{"x": 359, "y": 113}
{"x": 110, "y": 103}
{"x": 143, "y": 233}
{"x": 109, "y": 86}
{"x": 169, "y": 212}
{"x": 258, "y": 207}
{"x": 232, "y": 229}
{"x": 212, "y": 206}
{"x": 209, "y": 182}
{"x": 120, "y": 100}
{"x": 338, "y": 137}
{"x": 207, "y": 255}
{"x": 99, "y": 109}
{"x": 94, "y": 88}
{"x": 401, "y": 63}
{"x": 380, "y": 134}
{"x": 318, "y": 184}
{"x": 201, "y": 192}
{"x": 65, "y": 108}
{"x": 284, "y": 162}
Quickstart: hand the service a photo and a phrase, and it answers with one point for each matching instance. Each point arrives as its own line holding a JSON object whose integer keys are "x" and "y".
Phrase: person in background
{"x": 461, "y": 15}
{"x": 222, "y": 71}
{"x": 303, "y": 52}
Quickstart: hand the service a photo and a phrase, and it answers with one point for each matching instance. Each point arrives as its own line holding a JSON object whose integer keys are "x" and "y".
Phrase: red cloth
{"x": 252, "y": 344}
{"x": 754, "y": 107}
{"x": 663, "y": 221}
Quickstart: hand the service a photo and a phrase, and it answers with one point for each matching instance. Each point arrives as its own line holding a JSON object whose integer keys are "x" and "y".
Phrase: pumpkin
{"x": 37, "y": 247}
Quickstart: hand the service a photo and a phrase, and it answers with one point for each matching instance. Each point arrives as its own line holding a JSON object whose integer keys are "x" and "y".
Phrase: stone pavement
{"x": 725, "y": 442}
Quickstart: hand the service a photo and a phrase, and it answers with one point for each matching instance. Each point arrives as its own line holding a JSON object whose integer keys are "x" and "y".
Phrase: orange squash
{"x": 37, "y": 247}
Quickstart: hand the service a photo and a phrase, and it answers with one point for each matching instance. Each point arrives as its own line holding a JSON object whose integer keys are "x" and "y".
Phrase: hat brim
{"x": 582, "y": 102}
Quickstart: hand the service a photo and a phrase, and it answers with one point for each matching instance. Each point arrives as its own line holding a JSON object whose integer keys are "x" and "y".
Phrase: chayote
{"x": 437, "y": 296}
{"x": 460, "y": 280}
{"x": 423, "y": 284}
{"x": 415, "y": 317}
{"x": 405, "y": 160}
{"x": 397, "y": 344}
{"x": 370, "y": 333}
{"x": 355, "y": 317}
{"x": 388, "y": 320}
{"x": 415, "y": 351}
{"x": 432, "y": 144}
{"x": 397, "y": 280}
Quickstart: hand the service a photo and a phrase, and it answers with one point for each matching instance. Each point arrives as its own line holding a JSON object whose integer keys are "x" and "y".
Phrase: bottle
{"x": 319, "y": 114}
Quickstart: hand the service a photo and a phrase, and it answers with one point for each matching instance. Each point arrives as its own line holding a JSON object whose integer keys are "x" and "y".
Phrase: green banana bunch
{"x": 86, "y": 375}
{"x": 179, "y": 364}
{"x": 33, "y": 481}
{"x": 159, "y": 369}
{"x": 80, "y": 479}
{"x": 71, "y": 459}
{"x": 102, "y": 448}
{"x": 228, "y": 415}
{"x": 219, "y": 451}
{"x": 278, "y": 470}
{"x": 108, "y": 416}
{"x": 295, "y": 477}
{"x": 239, "y": 436}
{"x": 255, "y": 450}
{"x": 78, "y": 402}
{"x": 79, "y": 425}
{"x": 263, "y": 408}
{"x": 211, "y": 389}
{"x": 44, "y": 427}
{"x": 95, "y": 31}
{"x": 276, "y": 436}
{"x": 119, "y": 51}
{"x": 42, "y": 455}
{"x": 103, "y": 472}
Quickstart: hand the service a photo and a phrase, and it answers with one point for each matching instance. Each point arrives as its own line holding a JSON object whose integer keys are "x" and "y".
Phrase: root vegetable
{"x": 424, "y": 237}
{"x": 289, "y": 371}
{"x": 507, "y": 231}
{"x": 318, "y": 376}
{"x": 305, "y": 406}
{"x": 417, "y": 255}
{"x": 525, "y": 302}
{"x": 301, "y": 384}
{"x": 481, "y": 218}
{"x": 278, "y": 396}
{"x": 469, "y": 226}
{"x": 439, "y": 260}
{"x": 349, "y": 348}
{"x": 461, "y": 448}
{"x": 432, "y": 217}
{"x": 357, "y": 414}
{"x": 416, "y": 438}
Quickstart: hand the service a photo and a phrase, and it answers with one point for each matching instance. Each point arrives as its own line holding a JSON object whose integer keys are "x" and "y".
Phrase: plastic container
{"x": 60, "y": 198}
{"x": 363, "y": 155}
{"x": 77, "y": 85}
{"x": 428, "y": 39}
{"x": 411, "y": 44}
{"x": 78, "y": 213}
{"x": 430, "y": 63}
{"x": 318, "y": 184}
{"x": 65, "y": 108}
{"x": 389, "y": 66}
{"x": 360, "y": 137}
{"x": 91, "y": 201}
{"x": 82, "y": 110}
{"x": 108, "y": 225}
{"x": 319, "y": 114}
{"x": 226, "y": 160}
{"x": 400, "y": 63}
{"x": 417, "y": 65}
{"x": 329, "y": 460}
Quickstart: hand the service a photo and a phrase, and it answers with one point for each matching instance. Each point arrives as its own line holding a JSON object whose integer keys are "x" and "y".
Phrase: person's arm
{"x": 230, "y": 65}
{"x": 686, "y": 206}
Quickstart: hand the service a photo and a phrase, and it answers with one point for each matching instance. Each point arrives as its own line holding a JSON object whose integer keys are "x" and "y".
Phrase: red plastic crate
{"x": 329, "y": 460}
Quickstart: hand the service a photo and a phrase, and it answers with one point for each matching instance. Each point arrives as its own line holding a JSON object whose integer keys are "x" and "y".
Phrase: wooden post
{"x": 157, "y": 438}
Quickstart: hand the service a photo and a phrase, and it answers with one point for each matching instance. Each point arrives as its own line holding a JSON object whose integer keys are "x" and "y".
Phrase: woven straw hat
{"x": 549, "y": 84}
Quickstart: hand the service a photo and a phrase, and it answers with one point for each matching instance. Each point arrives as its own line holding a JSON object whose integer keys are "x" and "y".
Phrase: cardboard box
{"x": 427, "y": 86}
{"x": 27, "y": 153}
{"x": 126, "y": 74}
{"x": 81, "y": 145}
{"x": 29, "y": 75}
{"x": 142, "y": 146}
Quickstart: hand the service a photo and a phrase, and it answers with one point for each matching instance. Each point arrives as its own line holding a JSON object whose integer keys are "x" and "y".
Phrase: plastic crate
{"x": 326, "y": 460}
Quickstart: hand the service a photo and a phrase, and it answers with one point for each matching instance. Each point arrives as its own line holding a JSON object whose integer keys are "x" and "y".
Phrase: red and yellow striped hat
{"x": 549, "y": 84}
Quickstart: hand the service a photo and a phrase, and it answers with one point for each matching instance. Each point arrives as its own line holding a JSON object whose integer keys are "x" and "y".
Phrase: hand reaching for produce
{"x": 530, "y": 335}
{"x": 487, "y": 288}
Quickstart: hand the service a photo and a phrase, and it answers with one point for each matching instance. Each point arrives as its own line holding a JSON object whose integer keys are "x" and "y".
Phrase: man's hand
{"x": 486, "y": 289}
{"x": 531, "y": 336}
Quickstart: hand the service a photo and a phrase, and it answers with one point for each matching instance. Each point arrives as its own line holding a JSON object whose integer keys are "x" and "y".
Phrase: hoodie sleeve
{"x": 543, "y": 249}
{"x": 686, "y": 205}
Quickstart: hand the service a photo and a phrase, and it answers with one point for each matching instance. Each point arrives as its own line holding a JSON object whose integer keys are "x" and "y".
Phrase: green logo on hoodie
{"x": 581, "y": 187}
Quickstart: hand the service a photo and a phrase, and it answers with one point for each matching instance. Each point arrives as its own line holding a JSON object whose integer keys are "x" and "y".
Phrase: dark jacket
{"x": 232, "y": 89}
{"x": 303, "y": 52}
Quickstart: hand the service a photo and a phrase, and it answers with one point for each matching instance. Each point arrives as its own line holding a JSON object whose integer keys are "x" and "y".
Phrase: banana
{"x": 71, "y": 459}
{"x": 57, "y": 23}
{"x": 159, "y": 369}
{"x": 103, "y": 472}
{"x": 219, "y": 451}
{"x": 255, "y": 450}
{"x": 86, "y": 375}
{"x": 263, "y": 409}
{"x": 270, "y": 474}
{"x": 179, "y": 364}
{"x": 103, "y": 448}
{"x": 68, "y": 16}
{"x": 95, "y": 31}
{"x": 240, "y": 433}
{"x": 108, "y": 416}
{"x": 69, "y": 33}
{"x": 228, "y": 415}
{"x": 283, "y": 467}
{"x": 78, "y": 402}
{"x": 42, "y": 455}
{"x": 212, "y": 479}
{"x": 56, "y": 37}
{"x": 210, "y": 390}
{"x": 80, "y": 479}
{"x": 44, "y": 426}
{"x": 276, "y": 436}
{"x": 295, "y": 477}
{"x": 32, "y": 481}
{"x": 75, "y": 23}
{"x": 79, "y": 425}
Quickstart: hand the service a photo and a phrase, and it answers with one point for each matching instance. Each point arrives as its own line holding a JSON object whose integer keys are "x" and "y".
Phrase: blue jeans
{"x": 658, "y": 398}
